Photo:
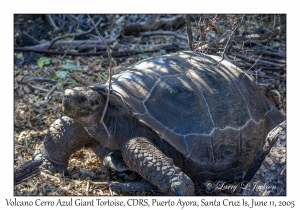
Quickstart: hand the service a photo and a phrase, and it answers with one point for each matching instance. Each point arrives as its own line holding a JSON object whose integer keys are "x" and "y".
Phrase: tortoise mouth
{"x": 74, "y": 111}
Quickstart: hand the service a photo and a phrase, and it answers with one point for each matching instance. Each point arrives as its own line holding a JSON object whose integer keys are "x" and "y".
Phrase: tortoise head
{"x": 83, "y": 103}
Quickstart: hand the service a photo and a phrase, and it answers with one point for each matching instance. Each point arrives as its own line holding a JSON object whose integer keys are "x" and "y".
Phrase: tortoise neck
{"x": 120, "y": 123}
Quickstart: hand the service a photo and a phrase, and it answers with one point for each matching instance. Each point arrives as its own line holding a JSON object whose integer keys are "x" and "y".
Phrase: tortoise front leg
{"x": 146, "y": 159}
{"x": 64, "y": 137}
{"x": 67, "y": 136}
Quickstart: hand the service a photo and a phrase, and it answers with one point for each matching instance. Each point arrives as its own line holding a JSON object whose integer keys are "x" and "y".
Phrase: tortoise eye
{"x": 91, "y": 102}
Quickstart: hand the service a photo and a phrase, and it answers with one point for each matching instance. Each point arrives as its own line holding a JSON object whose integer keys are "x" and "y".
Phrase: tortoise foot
{"x": 51, "y": 165}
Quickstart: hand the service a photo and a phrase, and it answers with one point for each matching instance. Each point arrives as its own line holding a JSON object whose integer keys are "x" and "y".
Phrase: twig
{"x": 87, "y": 186}
{"x": 166, "y": 33}
{"x": 50, "y": 176}
{"x": 59, "y": 44}
{"x": 102, "y": 184}
{"x": 27, "y": 170}
{"x": 246, "y": 38}
{"x": 109, "y": 52}
{"x": 73, "y": 35}
{"x": 127, "y": 187}
{"x": 165, "y": 23}
{"x": 62, "y": 188}
{"x": 266, "y": 62}
{"x": 151, "y": 22}
{"x": 225, "y": 48}
{"x": 81, "y": 80}
{"x": 87, "y": 47}
{"x": 110, "y": 191}
{"x": 273, "y": 69}
{"x": 31, "y": 37}
{"x": 132, "y": 186}
{"x": 72, "y": 17}
{"x": 41, "y": 79}
{"x": 189, "y": 32}
{"x": 282, "y": 55}
{"x": 152, "y": 46}
{"x": 51, "y": 91}
{"x": 272, "y": 60}
{"x": 261, "y": 43}
{"x": 101, "y": 53}
{"x": 51, "y": 23}
{"x": 38, "y": 88}
{"x": 259, "y": 61}
{"x": 72, "y": 41}
{"x": 238, "y": 62}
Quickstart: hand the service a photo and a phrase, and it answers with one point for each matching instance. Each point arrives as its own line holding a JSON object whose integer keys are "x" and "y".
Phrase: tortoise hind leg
{"x": 64, "y": 137}
{"x": 144, "y": 158}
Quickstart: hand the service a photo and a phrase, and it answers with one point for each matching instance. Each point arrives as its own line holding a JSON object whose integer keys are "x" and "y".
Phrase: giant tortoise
{"x": 172, "y": 119}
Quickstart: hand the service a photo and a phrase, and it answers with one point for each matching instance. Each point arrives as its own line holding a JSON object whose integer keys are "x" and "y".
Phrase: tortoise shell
{"x": 214, "y": 115}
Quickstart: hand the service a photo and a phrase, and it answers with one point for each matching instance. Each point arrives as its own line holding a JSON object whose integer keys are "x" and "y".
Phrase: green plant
{"x": 43, "y": 61}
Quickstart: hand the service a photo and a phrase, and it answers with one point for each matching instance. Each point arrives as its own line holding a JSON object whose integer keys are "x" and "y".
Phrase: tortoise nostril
{"x": 66, "y": 100}
{"x": 81, "y": 100}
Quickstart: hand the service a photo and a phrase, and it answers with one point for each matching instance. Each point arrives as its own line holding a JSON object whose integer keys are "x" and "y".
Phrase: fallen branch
{"x": 165, "y": 33}
{"x": 224, "y": 40}
{"x": 51, "y": 23}
{"x": 51, "y": 91}
{"x": 101, "y": 184}
{"x": 81, "y": 80}
{"x": 132, "y": 186}
{"x": 50, "y": 176}
{"x": 154, "y": 46}
{"x": 31, "y": 37}
{"x": 226, "y": 46}
{"x": 162, "y": 23}
{"x": 248, "y": 59}
{"x": 38, "y": 88}
{"x": 189, "y": 32}
{"x": 60, "y": 44}
{"x": 73, "y": 35}
{"x": 27, "y": 170}
{"x": 101, "y": 53}
{"x": 40, "y": 79}
{"x": 271, "y": 60}
{"x": 282, "y": 55}
{"x": 128, "y": 186}
{"x": 87, "y": 47}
